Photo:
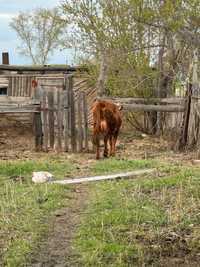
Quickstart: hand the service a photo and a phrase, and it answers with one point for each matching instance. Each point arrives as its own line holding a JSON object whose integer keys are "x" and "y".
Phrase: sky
{"x": 8, "y": 38}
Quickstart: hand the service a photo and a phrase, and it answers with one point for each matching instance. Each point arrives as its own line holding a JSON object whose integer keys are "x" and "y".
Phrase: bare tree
{"x": 40, "y": 32}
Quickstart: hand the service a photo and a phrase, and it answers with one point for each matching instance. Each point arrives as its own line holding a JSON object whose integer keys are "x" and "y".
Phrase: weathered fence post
{"x": 51, "y": 118}
{"x": 65, "y": 95}
{"x": 182, "y": 142}
{"x": 45, "y": 124}
{"x": 59, "y": 120}
{"x": 80, "y": 121}
{"x": 38, "y": 121}
{"x": 72, "y": 115}
{"x": 85, "y": 121}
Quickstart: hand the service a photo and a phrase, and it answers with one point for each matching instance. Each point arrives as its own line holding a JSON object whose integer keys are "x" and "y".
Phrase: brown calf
{"x": 106, "y": 122}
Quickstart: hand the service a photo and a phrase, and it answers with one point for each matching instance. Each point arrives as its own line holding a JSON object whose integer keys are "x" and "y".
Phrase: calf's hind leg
{"x": 97, "y": 145}
{"x": 113, "y": 140}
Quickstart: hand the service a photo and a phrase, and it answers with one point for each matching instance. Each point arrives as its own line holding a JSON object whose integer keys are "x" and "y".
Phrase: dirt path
{"x": 56, "y": 250}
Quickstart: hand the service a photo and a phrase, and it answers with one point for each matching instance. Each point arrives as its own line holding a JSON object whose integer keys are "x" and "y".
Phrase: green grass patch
{"x": 118, "y": 165}
{"x": 57, "y": 167}
{"x": 148, "y": 222}
{"x": 25, "y": 208}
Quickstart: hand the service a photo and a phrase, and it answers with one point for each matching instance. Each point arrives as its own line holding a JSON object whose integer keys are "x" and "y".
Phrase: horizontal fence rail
{"x": 149, "y": 104}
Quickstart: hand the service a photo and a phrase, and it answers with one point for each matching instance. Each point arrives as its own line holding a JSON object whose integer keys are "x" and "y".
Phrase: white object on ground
{"x": 42, "y": 177}
{"x": 104, "y": 177}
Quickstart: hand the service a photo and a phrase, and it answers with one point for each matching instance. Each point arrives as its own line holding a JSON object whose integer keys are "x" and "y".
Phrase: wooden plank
{"x": 25, "y": 86}
{"x": 45, "y": 124}
{"x": 163, "y": 108}
{"x": 13, "y": 86}
{"x": 18, "y": 99}
{"x": 43, "y": 68}
{"x": 59, "y": 120}
{"x": 22, "y": 86}
{"x": 17, "y": 106}
{"x": 66, "y": 120}
{"x": 9, "y": 93}
{"x": 142, "y": 100}
{"x": 72, "y": 116}
{"x": 38, "y": 131}
{"x": 17, "y": 86}
{"x": 79, "y": 118}
{"x": 38, "y": 123}
{"x": 4, "y": 80}
{"x": 29, "y": 89}
{"x": 51, "y": 118}
{"x": 130, "y": 174}
{"x": 53, "y": 82}
{"x": 18, "y": 111}
{"x": 85, "y": 121}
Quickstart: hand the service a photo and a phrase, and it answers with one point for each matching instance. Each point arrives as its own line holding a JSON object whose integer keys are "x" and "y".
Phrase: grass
{"x": 112, "y": 165}
{"x": 149, "y": 222}
{"x": 25, "y": 208}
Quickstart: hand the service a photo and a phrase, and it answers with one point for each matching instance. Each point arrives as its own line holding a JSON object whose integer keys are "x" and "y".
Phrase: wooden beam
{"x": 104, "y": 177}
{"x": 50, "y": 68}
{"x": 162, "y": 108}
{"x": 17, "y": 99}
{"x": 142, "y": 100}
{"x": 18, "y": 111}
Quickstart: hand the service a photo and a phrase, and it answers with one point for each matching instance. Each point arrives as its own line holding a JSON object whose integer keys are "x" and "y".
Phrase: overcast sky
{"x": 8, "y": 38}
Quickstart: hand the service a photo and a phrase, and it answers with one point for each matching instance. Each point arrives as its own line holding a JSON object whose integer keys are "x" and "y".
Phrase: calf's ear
{"x": 120, "y": 107}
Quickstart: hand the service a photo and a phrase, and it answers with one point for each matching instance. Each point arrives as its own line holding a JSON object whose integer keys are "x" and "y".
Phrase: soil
{"x": 56, "y": 250}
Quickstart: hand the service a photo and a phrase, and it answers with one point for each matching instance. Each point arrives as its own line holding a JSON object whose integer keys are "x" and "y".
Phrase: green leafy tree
{"x": 40, "y": 32}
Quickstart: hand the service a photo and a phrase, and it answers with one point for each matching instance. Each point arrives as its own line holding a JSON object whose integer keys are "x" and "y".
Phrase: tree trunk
{"x": 160, "y": 92}
{"x": 101, "y": 78}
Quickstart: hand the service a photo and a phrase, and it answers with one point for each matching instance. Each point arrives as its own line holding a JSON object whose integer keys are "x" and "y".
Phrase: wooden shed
{"x": 17, "y": 81}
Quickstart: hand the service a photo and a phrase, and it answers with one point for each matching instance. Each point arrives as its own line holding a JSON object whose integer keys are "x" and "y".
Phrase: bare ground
{"x": 56, "y": 250}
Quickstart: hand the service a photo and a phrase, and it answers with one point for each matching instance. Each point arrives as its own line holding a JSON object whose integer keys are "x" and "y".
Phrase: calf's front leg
{"x": 105, "y": 153}
{"x": 97, "y": 149}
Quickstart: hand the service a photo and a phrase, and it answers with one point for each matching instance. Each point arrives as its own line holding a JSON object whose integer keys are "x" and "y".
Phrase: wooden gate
{"x": 64, "y": 118}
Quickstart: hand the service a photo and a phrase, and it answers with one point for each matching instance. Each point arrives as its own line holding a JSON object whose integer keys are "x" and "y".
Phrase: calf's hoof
{"x": 105, "y": 154}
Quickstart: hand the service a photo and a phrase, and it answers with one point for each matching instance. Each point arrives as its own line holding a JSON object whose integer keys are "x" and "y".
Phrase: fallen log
{"x": 103, "y": 177}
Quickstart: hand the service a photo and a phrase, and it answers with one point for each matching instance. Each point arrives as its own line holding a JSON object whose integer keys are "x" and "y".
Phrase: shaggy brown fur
{"x": 106, "y": 122}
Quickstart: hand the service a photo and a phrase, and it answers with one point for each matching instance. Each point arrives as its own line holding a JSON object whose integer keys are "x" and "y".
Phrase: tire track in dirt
{"x": 56, "y": 250}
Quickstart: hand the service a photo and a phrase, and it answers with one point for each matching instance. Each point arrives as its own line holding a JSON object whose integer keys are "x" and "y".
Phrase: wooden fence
{"x": 60, "y": 118}
{"x": 64, "y": 121}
